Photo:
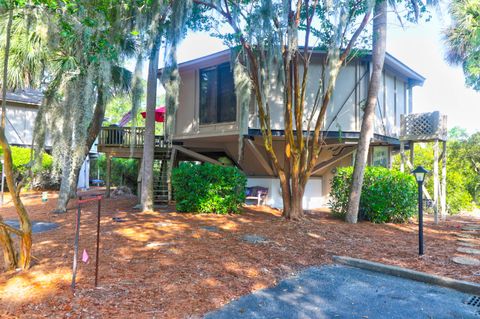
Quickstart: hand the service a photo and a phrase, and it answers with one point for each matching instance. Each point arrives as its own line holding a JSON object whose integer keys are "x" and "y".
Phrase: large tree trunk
{"x": 25, "y": 225}
{"x": 9, "y": 254}
{"x": 68, "y": 186}
{"x": 149, "y": 140}
{"x": 366, "y": 133}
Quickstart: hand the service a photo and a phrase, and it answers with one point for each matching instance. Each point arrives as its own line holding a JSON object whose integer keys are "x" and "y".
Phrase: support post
{"x": 420, "y": 219}
{"x": 444, "y": 182}
{"x": 412, "y": 153}
{"x": 435, "y": 181}
{"x": 75, "y": 247}
{"x": 139, "y": 180}
{"x": 171, "y": 163}
{"x": 98, "y": 240}
{"x": 109, "y": 173}
{"x": 402, "y": 156}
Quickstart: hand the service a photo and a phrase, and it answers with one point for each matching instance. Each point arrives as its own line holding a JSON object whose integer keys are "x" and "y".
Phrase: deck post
{"x": 412, "y": 153}
{"x": 435, "y": 181}
{"x": 171, "y": 164}
{"x": 444, "y": 182}
{"x": 109, "y": 173}
{"x": 402, "y": 156}
{"x": 139, "y": 180}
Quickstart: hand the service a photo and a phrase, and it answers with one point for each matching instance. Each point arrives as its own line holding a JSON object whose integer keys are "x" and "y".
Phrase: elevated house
{"x": 22, "y": 109}
{"x": 208, "y": 124}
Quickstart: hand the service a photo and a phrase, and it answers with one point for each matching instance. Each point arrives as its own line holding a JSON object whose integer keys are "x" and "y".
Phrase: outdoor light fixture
{"x": 420, "y": 173}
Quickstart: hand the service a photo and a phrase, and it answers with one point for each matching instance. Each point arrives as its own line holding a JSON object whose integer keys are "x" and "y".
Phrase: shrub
{"x": 387, "y": 195}
{"x": 124, "y": 171}
{"x": 42, "y": 177}
{"x": 208, "y": 188}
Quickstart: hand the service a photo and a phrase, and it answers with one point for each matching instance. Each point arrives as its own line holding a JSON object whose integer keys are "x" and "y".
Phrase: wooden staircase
{"x": 161, "y": 189}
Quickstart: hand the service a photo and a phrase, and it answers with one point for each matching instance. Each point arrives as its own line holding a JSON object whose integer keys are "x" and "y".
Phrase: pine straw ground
{"x": 164, "y": 265}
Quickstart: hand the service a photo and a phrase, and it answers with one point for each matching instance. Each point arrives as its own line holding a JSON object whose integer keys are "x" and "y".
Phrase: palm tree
{"x": 462, "y": 39}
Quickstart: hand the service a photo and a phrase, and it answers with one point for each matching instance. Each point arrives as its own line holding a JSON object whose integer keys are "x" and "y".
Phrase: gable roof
{"x": 25, "y": 96}
{"x": 391, "y": 63}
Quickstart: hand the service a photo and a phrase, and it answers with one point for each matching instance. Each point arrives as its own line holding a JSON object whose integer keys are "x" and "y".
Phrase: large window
{"x": 217, "y": 95}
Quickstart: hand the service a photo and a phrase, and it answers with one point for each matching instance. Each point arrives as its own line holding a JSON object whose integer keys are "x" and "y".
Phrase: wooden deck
{"x": 126, "y": 142}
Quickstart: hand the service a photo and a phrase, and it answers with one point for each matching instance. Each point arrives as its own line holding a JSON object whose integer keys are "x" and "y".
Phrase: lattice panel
{"x": 423, "y": 127}
{"x": 421, "y": 124}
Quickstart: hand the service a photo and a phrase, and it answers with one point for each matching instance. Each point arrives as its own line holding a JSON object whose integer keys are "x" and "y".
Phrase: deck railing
{"x": 126, "y": 137}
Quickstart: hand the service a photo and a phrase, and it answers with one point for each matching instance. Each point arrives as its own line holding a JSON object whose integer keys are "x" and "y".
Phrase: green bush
{"x": 387, "y": 195}
{"x": 21, "y": 165}
{"x": 208, "y": 188}
{"x": 124, "y": 171}
{"x": 21, "y": 159}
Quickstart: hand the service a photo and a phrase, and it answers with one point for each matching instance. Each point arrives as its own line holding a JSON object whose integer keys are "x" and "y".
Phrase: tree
{"x": 89, "y": 41}
{"x": 267, "y": 34}
{"x": 379, "y": 43}
{"x": 157, "y": 20}
{"x": 462, "y": 39}
{"x": 25, "y": 232}
{"x": 366, "y": 132}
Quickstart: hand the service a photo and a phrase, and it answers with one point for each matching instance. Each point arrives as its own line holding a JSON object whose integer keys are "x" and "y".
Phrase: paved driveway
{"x": 342, "y": 292}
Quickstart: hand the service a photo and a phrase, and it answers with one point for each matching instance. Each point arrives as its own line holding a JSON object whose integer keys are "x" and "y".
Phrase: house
{"x": 22, "y": 109}
{"x": 208, "y": 125}
{"x": 208, "y": 120}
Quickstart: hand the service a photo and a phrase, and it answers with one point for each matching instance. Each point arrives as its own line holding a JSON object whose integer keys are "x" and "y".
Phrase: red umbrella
{"x": 159, "y": 114}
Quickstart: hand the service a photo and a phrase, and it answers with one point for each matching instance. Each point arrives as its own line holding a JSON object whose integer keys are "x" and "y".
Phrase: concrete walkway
{"x": 342, "y": 292}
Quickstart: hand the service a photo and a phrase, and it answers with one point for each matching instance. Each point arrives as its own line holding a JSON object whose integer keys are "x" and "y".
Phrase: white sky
{"x": 418, "y": 46}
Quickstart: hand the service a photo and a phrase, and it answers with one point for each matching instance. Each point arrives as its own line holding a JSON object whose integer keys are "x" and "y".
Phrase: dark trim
{"x": 332, "y": 135}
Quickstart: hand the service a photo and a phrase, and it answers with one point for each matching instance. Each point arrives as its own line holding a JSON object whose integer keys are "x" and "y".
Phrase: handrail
{"x": 126, "y": 137}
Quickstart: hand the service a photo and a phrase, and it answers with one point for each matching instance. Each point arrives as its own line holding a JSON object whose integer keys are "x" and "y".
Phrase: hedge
{"x": 21, "y": 160}
{"x": 208, "y": 188}
{"x": 387, "y": 195}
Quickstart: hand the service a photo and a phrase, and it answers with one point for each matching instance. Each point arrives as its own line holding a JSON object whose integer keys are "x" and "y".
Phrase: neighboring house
{"x": 22, "y": 109}
{"x": 208, "y": 127}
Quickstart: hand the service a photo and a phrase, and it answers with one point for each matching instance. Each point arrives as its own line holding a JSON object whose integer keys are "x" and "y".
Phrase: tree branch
{"x": 11, "y": 229}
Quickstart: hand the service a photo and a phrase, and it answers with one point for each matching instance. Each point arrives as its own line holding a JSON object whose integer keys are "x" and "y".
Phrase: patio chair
{"x": 257, "y": 193}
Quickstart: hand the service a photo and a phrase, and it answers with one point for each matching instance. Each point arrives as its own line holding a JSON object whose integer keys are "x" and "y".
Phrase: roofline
{"x": 417, "y": 78}
{"x": 22, "y": 102}
{"x": 390, "y": 61}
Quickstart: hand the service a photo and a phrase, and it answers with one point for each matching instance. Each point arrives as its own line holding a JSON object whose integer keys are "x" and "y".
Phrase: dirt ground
{"x": 168, "y": 265}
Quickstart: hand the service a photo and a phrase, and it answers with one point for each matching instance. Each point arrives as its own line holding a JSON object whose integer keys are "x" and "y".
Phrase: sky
{"x": 420, "y": 47}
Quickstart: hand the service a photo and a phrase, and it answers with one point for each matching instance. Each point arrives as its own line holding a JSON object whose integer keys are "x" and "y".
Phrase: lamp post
{"x": 420, "y": 173}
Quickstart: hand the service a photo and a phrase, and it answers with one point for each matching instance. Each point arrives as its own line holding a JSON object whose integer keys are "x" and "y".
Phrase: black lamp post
{"x": 420, "y": 173}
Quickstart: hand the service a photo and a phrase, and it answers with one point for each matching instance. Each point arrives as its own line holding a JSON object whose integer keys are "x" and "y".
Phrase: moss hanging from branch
{"x": 171, "y": 76}
{"x": 243, "y": 93}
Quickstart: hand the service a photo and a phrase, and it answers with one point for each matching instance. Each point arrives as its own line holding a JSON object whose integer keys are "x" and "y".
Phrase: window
{"x": 380, "y": 156}
{"x": 217, "y": 95}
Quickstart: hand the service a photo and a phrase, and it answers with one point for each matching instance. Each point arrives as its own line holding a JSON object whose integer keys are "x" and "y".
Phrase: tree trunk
{"x": 366, "y": 133}
{"x": 25, "y": 225}
{"x": 149, "y": 140}
{"x": 68, "y": 186}
{"x": 9, "y": 254}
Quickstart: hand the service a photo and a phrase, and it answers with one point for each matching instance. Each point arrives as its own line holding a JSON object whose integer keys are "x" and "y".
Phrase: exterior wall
{"x": 392, "y": 102}
{"x": 344, "y": 113}
{"x": 20, "y": 124}
{"x": 313, "y": 197}
{"x": 187, "y": 118}
{"x": 84, "y": 175}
